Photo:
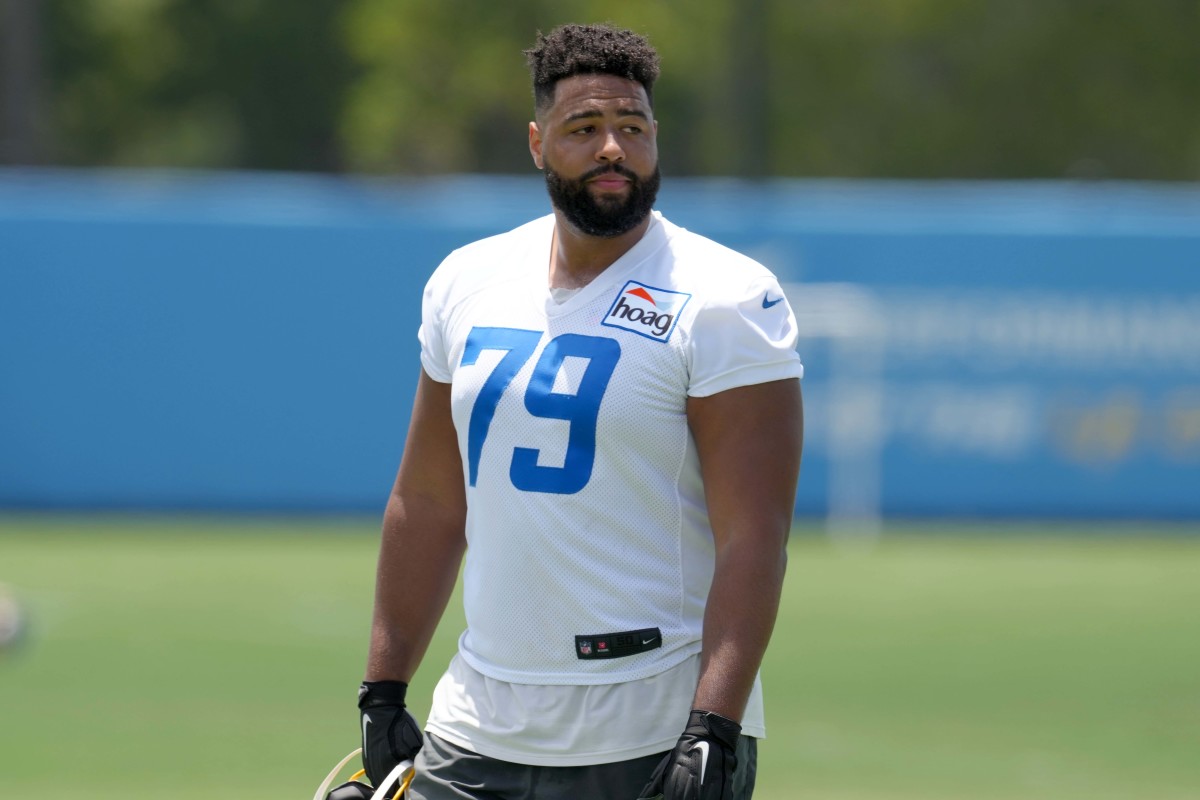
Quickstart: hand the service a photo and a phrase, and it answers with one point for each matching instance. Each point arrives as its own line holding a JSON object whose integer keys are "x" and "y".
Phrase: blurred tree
{"x": 858, "y": 88}
{"x": 445, "y": 86}
{"x": 881, "y": 88}
{"x": 22, "y": 138}
{"x": 441, "y": 88}
{"x": 1012, "y": 89}
{"x": 197, "y": 83}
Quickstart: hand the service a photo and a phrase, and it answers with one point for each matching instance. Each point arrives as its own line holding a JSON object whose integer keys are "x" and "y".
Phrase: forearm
{"x": 419, "y": 558}
{"x": 742, "y": 606}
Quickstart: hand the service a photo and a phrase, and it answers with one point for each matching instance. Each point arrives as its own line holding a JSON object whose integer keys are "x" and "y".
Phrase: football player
{"x": 608, "y": 427}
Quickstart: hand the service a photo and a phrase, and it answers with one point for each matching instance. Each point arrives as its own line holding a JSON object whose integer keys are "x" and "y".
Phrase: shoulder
{"x": 712, "y": 272}
{"x": 488, "y": 261}
{"x": 483, "y": 254}
{"x": 739, "y": 330}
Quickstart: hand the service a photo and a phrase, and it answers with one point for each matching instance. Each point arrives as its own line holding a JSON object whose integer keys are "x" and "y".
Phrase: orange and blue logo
{"x": 646, "y": 310}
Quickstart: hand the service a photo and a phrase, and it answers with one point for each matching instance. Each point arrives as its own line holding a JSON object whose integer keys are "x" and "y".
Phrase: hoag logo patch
{"x": 646, "y": 311}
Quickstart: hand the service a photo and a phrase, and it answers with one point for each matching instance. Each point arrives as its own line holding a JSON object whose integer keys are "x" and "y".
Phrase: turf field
{"x": 219, "y": 659}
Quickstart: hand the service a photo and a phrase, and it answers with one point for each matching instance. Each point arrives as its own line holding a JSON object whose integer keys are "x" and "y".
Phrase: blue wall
{"x": 229, "y": 341}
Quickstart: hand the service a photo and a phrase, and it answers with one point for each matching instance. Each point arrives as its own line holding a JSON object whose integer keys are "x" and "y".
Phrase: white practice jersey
{"x": 590, "y": 553}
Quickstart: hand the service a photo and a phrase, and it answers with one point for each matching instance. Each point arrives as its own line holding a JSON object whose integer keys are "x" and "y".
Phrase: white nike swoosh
{"x": 366, "y": 722}
{"x": 647, "y": 641}
{"x": 703, "y": 748}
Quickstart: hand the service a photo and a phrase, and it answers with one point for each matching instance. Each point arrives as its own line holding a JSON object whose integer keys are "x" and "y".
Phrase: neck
{"x": 576, "y": 258}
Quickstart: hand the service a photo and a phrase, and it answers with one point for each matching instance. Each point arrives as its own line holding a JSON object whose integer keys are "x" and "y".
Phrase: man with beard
{"x": 609, "y": 415}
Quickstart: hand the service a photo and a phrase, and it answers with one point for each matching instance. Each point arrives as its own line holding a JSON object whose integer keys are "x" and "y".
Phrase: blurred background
{"x": 216, "y": 219}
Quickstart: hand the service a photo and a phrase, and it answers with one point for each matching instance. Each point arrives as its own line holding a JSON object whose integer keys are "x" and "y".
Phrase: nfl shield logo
{"x": 585, "y": 648}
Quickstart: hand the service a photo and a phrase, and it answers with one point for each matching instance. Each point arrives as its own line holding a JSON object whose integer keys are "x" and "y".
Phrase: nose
{"x": 610, "y": 149}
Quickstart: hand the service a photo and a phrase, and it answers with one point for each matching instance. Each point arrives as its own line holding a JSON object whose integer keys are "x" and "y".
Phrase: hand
{"x": 701, "y": 765}
{"x": 390, "y": 734}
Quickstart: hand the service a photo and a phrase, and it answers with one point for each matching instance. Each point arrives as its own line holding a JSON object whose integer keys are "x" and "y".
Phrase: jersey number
{"x": 581, "y": 409}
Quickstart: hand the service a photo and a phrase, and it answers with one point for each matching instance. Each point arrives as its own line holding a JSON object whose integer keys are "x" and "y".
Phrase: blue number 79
{"x": 581, "y": 409}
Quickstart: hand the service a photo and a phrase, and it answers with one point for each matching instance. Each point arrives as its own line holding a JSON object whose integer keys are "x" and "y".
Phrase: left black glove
{"x": 702, "y": 764}
{"x": 390, "y": 734}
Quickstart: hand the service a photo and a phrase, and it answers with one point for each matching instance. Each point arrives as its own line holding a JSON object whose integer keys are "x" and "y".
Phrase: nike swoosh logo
{"x": 647, "y": 641}
{"x": 366, "y": 722}
{"x": 769, "y": 303}
{"x": 703, "y": 748}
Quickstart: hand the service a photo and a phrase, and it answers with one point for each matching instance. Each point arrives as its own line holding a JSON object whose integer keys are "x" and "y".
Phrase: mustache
{"x": 609, "y": 169}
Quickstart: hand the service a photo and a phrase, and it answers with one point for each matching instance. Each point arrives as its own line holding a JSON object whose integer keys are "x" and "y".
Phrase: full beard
{"x": 606, "y": 217}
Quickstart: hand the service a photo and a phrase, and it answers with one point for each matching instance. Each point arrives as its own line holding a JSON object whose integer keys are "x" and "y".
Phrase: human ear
{"x": 535, "y": 145}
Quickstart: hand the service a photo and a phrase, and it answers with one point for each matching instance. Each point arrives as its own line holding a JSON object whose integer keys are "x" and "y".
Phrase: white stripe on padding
{"x": 402, "y": 775}
{"x": 323, "y": 789}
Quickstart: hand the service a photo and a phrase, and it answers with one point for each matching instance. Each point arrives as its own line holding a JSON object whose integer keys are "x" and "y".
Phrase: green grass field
{"x": 219, "y": 659}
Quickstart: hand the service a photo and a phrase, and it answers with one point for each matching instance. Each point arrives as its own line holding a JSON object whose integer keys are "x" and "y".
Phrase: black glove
{"x": 351, "y": 791}
{"x": 701, "y": 765}
{"x": 390, "y": 734}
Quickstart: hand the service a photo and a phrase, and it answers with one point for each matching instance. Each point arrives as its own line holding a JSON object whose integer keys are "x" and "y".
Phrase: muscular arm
{"x": 423, "y": 539}
{"x": 749, "y": 441}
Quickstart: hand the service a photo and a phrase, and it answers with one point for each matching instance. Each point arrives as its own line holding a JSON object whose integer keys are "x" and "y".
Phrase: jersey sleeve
{"x": 743, "y": 338}
{"x": 434, "y": 353}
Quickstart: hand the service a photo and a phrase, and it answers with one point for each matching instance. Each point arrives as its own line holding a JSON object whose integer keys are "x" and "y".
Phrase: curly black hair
{"x": 589, "y": 49}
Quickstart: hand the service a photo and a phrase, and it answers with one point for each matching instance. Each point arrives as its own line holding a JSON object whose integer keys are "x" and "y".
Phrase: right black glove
{"x": 390, "y": 734}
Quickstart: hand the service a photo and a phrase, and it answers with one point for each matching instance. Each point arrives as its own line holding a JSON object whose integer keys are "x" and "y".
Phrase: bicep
{"x": 431, "y": 472}
{"x": 424, "y": 523}
{"x": 749, "y": 441}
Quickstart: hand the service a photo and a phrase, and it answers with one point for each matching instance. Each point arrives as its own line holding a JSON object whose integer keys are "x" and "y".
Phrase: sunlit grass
{"x": 201, "y": 658}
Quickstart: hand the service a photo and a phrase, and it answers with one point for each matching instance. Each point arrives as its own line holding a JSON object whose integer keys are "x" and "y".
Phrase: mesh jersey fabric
{"x": 586, "y": 511}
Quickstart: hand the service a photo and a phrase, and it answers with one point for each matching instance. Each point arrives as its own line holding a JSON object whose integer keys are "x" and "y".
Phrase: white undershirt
{"x": 561, "y": 295}
{"x": 563, "y": 725}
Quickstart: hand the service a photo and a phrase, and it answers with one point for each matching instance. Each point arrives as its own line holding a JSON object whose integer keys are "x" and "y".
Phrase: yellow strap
{"x": 404, "y": 785}
{"x": 402, "y": 774}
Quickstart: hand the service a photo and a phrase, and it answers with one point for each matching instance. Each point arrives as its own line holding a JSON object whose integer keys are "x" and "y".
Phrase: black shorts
{"x": 448, "y": 772}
